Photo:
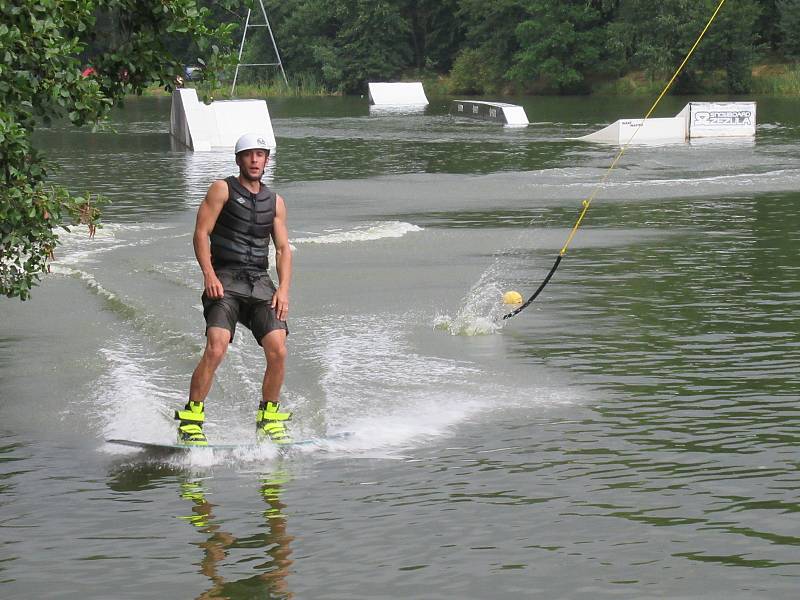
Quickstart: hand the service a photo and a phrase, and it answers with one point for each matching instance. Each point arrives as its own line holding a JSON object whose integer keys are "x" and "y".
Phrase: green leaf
{"x": 44, "y": 46}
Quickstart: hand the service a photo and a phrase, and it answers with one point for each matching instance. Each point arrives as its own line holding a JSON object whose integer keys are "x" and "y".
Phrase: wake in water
{"x": 365, "y": 233}
{"x": 481, "y": 312}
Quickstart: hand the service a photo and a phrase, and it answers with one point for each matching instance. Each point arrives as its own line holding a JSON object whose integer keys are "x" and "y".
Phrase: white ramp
{"x": 696, "y": 120}
{"x": 397, "y": 94}
{"x": 201, "y": 127}
{"x": 654, "y": 131}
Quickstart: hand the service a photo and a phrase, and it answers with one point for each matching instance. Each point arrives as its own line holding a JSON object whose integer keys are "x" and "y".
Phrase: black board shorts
{"x": 247, "y": 300}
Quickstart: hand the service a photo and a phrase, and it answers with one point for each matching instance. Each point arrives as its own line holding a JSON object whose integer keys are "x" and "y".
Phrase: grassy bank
{"x": 298, "y": 86}
{"x": 777, "y": 80}
{"x": 773, "y": 79}
{"x": 632, "y": 84}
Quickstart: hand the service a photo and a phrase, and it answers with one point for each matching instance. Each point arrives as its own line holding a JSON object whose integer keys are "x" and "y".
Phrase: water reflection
{"x": 385, "y": 110}
{"x": 700, "y": 395}
{"x": 271, "y": 581}
{"x": 136, "y": 164}
{"x": 267, "y": 549}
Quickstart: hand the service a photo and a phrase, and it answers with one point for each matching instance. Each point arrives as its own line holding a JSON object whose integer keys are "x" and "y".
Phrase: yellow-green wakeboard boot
{"x": 190, "y": 429}
{"x": 270, "y": 423}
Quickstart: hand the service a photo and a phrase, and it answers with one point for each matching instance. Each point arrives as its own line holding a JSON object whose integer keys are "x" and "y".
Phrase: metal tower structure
{"x": 247, "y": 25}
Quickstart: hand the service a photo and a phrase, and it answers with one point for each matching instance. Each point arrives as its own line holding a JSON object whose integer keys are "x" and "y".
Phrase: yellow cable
{"x": 588, "y": 201}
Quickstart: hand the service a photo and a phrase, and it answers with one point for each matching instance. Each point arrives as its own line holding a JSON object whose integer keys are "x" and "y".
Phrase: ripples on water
{"x": 693, "y": 347}
{"x": 633, "y": 433}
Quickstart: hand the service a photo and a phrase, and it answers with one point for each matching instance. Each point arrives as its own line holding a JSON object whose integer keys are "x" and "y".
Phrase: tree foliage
{"x": 655, "y": 37}
{"x": 495, "y": 46}
{"x": 730, "y": 46}
{"x": 789, "y": 26}
{"x": 435, "y": 33}
{"x": 527, "y": 45}
{"x": 46, "y": 46}
{"x": 490, "y": 29}
{"x": 342, "y": 43}
{"x": 559, "y": 44}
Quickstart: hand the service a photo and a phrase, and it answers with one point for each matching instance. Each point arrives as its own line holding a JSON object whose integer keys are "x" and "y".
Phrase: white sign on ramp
{"x": 722, "y": 119}
{"x": 202, "y": 127}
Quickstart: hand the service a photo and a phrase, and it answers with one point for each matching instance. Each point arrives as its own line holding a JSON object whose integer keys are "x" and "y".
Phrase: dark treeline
{"x": 525, "y": 46}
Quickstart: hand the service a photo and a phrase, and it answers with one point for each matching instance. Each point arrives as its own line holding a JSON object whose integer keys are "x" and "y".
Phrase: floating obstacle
{"x": 661, "y": 130}
{"x": 696, "y": 120}
{"x": 501, "y": 112}
{"x": 203, "y": 127}
{"x": 397, "y": 94}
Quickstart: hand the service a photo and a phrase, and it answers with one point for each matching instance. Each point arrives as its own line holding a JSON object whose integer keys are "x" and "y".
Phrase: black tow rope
{"x": 519, "y": 309}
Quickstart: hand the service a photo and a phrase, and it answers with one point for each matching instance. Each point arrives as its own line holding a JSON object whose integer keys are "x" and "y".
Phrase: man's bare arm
{"x": 207, "y": 216}
{"x": 283, "y": 260}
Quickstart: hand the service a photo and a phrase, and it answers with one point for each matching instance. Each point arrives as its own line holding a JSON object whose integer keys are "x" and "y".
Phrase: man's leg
{"x": 217, "y": 341}
{"x": 274, "y": 345}
{"x": 269, "y": 421}
{"x": 192, "y": 417}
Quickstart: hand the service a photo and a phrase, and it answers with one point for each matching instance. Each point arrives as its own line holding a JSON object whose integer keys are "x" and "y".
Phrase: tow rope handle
{"x": 519, "y": 309}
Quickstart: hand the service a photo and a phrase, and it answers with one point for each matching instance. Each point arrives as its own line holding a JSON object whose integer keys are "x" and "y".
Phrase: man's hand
{"x": 213, "y": 286}
{"x": 280, "y": 303}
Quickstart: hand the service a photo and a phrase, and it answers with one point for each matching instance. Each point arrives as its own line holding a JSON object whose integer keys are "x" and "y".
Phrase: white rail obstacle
{"x": 397, "y": 94}
{"x": 696, "y": 120}
{"x": 203, "y": 127}
{"x": 512, "y": 115}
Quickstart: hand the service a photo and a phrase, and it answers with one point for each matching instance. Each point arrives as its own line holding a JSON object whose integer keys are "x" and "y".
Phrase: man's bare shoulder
{"x": 217, "y": 191}
{"x": 219, "y": 185}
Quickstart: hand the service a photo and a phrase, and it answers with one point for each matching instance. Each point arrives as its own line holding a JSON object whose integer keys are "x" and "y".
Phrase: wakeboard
{"x": 177, "y": 447}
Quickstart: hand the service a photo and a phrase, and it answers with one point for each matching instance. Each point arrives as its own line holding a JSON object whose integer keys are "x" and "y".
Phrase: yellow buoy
{"x": 512, "y": 297}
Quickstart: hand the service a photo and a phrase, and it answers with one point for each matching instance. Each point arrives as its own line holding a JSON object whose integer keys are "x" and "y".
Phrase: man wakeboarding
{"x": 235, "y": 223}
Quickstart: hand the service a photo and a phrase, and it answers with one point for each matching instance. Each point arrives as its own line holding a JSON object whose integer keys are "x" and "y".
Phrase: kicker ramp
{"x": 397, "y": 94}
{"x": 696, "y": 120}
{"x": 202, "y": 127}
{"x": 625, "y": 131}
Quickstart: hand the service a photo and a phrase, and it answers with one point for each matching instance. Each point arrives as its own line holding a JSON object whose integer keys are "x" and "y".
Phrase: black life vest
{"x": 240, "y": 237}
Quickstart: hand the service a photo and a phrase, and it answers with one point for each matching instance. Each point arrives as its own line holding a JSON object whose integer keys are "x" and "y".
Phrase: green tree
{"x": 472, "y": 74}
{"x": 45, "y": 45}
{"x": 435, "y": 33}
{"x": 559, "y": 44}
{"x": 490, "y": 42}
{"x": 372, "y": 42}
{"x": 730, "y": 44}
{"x": 789, "y": 24}
{"x": 656, "y": 38}
{"x": 342, "y": 43}
{"x": 768, "y": 32}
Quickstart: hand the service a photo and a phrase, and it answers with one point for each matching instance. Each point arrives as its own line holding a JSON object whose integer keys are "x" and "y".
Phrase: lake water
{"x": 632, "y": 434}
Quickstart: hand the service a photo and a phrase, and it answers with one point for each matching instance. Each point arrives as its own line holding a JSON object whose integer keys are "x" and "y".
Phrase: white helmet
{"x": 251, "y": 141}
